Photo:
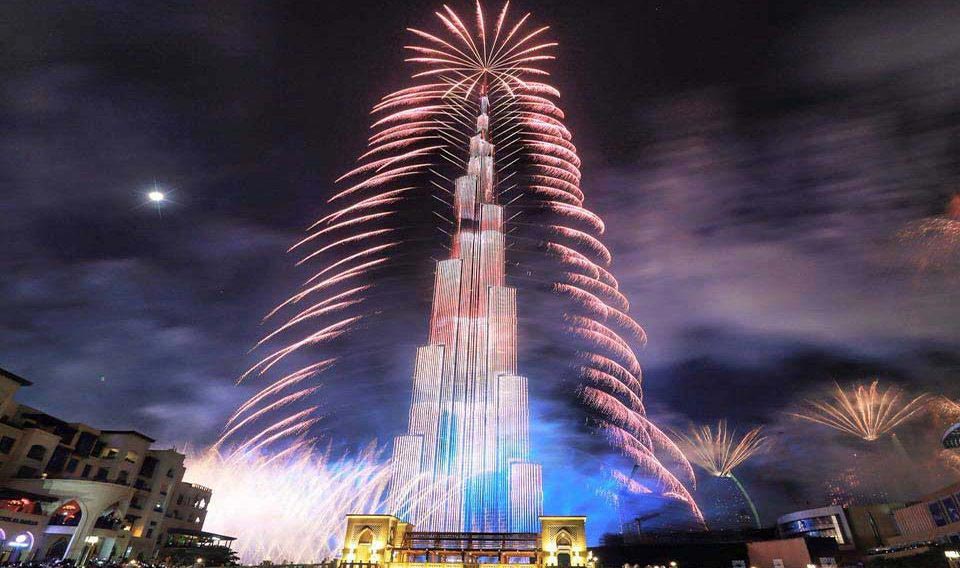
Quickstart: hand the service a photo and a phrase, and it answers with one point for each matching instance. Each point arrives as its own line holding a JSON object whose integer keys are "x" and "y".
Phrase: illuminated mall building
{"x": 71, "y": 491}
{"x": 389, "y": 542}
{"x": 464, "y": 464}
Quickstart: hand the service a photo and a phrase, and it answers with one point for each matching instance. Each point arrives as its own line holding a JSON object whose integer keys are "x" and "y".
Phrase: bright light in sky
{"x": 156, "y": 196}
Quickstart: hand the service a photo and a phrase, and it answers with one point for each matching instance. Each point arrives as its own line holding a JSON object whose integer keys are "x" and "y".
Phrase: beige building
{"x": 387, "y": 541}
{"x": 68, "y": 490}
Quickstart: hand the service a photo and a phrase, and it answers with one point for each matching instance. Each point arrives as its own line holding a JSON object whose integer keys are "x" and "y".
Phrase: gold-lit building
{"x": 385, "y": 540}
{"x": 72, "y": 491}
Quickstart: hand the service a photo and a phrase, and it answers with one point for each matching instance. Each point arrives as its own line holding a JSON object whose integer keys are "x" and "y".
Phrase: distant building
{"x": 883, "y": 531}
{"x": 855, "y": 528}
{"x": 719, "y": 549}
{"x": 723, "y": 505}
{"x": 69, "y": 490}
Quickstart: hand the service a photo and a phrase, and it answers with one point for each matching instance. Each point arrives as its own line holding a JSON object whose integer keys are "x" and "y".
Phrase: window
{"x": 72, "y": 465}
{"x": 179, "y": 499}
{"x": 86, "y": 471}
{"x": 936, "y": 511}
{"x": 111, "y": 454}
{"x": 149, "y": 467}
{"x": 101, "y": 474}
{"x": 27, "y": 472}
{"x": 131, "y": 457}
{"x": 58, "y": 459}
{"x": 122, "y": 477}
{"x": 36, "y": 452}
{"x": 953, "y": 512}
{"x": 6, "y": 444}
{"x": 170, "y": 472}
{"x": 85, "y": 443}
{"x": 149, "y": 533}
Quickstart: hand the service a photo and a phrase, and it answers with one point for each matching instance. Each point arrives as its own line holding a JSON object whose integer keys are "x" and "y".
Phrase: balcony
{"x": 109, "y": 523}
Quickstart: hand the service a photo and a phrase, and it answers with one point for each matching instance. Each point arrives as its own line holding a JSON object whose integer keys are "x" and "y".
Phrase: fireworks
{"x": 935, "y": 241}
{"x": 392, "y": 207}
{"x": 291, "y": 507}
{"x": 865, "y": 412}
{"x": 719, "y": 451}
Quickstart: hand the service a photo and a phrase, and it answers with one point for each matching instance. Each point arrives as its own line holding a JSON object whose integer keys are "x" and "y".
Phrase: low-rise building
{"x": 856, "y": 528}
{"x": 69, "y": 490}
{"x": 385, "y": 540}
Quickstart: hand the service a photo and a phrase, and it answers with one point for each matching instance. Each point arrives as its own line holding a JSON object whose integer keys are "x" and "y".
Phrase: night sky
{"x": 753, "y": 162}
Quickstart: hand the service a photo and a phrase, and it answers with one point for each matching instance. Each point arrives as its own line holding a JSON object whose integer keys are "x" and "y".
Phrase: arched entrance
{"x": 562, "y": 545}
{"x": 57, "y": 550}
{"x": 364, "y": 545}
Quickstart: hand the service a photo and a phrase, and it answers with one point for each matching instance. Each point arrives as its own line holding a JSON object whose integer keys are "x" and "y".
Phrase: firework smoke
{"x": 865, "y": 412}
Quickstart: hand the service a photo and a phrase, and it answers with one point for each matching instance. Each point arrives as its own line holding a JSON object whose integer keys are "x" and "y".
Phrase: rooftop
{"x": 14, "y": 377}
{"x": 200, "y": 534}
{"x": 129, "y": 432}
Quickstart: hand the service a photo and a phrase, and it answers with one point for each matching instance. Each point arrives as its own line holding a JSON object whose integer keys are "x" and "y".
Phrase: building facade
{"x": 385, "y": 540}
{"x": 935, "y": 518}
{"x": 855, "y": 528}
{"x": 69, "y": 490}
{"x": 464, "y": 464}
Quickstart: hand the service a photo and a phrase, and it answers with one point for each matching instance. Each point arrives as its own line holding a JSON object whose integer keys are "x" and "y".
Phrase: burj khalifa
{"x": 468, "y": 442}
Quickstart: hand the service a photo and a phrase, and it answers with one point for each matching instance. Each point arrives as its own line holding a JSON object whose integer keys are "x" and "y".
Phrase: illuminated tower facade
{"x": 468, "y": 441}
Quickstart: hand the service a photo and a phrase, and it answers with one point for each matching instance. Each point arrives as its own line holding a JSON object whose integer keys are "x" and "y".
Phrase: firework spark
{"x": 935, "y": 241}
{"x": 420, "y": 141}
{"x": 865, "y": 412}
{"x": 291, "y": 507}
{"x": 719, "y": 451}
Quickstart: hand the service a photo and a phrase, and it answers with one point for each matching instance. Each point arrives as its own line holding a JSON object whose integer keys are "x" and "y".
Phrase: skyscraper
{"x": 468, "y": 436}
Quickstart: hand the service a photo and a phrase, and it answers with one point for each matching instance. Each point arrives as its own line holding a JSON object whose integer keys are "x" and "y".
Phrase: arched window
{"x": 366, "y": 536}
{"x": 36, "y": 452}
{"x": 67, "y": 515}
{"x": 563, "y": 539}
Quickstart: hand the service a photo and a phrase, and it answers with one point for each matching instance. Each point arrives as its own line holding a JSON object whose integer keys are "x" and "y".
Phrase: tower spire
{"x": 468, "y": 435}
